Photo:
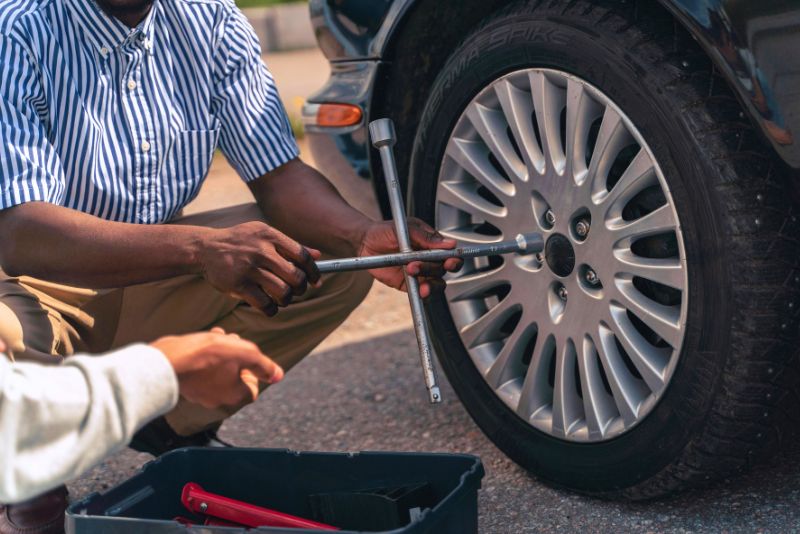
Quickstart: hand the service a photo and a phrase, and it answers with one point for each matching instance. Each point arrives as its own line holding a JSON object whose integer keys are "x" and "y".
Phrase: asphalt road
{"x": 362, "y": 390}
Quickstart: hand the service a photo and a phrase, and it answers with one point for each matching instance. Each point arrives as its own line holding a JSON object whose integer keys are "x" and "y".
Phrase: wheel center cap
{"x": 560, "y": 255}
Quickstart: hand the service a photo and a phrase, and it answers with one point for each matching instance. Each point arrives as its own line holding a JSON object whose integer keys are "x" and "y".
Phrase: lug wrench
{"x": 383, "y": 138}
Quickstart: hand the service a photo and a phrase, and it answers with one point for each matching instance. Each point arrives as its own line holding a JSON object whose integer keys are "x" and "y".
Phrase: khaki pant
{"x": 40, "y": 320}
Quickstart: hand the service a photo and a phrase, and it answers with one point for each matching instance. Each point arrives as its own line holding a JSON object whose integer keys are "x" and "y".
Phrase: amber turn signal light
{"x": 338, "y": 115}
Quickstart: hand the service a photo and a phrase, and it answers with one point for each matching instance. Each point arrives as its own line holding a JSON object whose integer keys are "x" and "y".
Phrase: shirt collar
{"x": 106, "y": 33}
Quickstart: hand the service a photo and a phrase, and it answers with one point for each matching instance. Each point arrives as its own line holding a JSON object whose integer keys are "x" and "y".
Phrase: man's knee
{"x": 358, "y": 284}
{"x": 11, "y": 330}
{"x": 25, "y": 325}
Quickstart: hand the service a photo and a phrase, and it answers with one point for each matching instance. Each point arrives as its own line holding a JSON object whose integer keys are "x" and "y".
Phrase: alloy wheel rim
{"x": 580, "y": 341}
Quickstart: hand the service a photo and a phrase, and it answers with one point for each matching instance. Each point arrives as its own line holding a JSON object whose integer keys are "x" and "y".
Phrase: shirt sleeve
{"x": 30, "y": 169}
{"x": 56, "y": 422}
{"x": 255, "y": 133}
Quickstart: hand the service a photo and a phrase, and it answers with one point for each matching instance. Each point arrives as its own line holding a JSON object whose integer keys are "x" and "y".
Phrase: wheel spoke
{"x": 509, "y": 359}
{"x": 639, "y": 175}
{"x": 475, "y": 284}
{"x": 627, "y": 391}
{"x": 611, "y": 139}
{"x": 649, "y": 360}
{"x": 567, "y": 404}
{"x": 518, "y": 109}
{"x": 536, "y": 391}
{"x": 656, "y": 222}
{"x": 581, "y": 112}
{"x": 465, "y": 197}
{"x": 598, "y": 405}
{"x": 491, "y": 126}
{"x": 474, "y": 159}
{"x": 486, "y": 327}
{"x": 663, "y": 320}
{"x": 466, "y": 234}
{"x": 666, "y": 271}
{"x": 548, "y": 101}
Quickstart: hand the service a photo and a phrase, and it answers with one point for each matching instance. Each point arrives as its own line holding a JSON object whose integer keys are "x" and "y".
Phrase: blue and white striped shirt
{"x": 122, "y": 123}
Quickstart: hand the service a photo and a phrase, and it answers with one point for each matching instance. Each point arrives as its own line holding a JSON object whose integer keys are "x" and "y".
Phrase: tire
{"x": 736, "y": 222}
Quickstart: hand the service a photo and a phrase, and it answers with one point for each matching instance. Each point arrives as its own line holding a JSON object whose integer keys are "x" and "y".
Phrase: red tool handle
{"x": 200, "y": 501}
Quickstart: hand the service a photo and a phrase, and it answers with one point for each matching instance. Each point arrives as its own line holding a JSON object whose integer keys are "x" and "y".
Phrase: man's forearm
{"x": 58, "y": 421}
{"x": 303, "y": 204}
{"x": 65, "y": 246}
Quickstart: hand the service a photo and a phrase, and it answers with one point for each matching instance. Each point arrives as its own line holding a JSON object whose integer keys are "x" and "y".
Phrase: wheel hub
{"x": 560, "y": 255}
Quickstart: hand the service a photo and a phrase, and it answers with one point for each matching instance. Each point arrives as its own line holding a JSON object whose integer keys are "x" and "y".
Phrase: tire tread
{"x": 739, "y": 421}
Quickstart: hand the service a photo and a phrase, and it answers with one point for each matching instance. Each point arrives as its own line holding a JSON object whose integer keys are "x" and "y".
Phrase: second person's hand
{"x": 215, "y": 369}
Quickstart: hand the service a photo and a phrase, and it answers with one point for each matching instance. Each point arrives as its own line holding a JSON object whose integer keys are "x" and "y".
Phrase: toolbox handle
{"x": 199, "y": 501}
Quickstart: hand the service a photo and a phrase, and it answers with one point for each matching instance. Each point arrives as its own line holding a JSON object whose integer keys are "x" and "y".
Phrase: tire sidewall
{"x": 640, "y": 91}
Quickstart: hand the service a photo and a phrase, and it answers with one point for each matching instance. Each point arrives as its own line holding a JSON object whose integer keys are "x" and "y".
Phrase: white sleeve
{"x": 58, "y": 421}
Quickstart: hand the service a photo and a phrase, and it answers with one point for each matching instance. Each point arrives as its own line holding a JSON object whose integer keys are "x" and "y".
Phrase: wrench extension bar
{"x": 383, "y": 138}
{"x": 523, "y": 244}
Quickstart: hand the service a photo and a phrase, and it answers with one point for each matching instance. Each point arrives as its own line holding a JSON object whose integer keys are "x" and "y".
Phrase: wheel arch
{"x": 733, "y": 38}
{"x": 410, "y": 63}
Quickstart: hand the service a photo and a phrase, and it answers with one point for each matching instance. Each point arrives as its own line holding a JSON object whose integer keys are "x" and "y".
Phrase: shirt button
{"x": 104, "y": 51}
{"x": 145, "y": 146}
{"x": 131, "y": 85}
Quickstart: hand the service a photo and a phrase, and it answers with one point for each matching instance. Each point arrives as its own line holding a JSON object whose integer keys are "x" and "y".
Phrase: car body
{"x": 745, "y": 40}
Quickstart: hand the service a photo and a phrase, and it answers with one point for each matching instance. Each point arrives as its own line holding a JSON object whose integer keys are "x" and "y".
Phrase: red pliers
{"x": 222, "y": 508}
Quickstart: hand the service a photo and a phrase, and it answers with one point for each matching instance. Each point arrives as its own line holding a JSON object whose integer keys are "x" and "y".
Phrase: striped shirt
{"x": 122, "y": 123}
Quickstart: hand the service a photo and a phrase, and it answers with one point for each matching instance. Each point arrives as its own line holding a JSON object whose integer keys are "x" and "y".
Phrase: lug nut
{"x": 562, "y": 293}
{"x": 550, "y": 217}
{"x": 582, "y": 228}
{"x": 591, "y": 277}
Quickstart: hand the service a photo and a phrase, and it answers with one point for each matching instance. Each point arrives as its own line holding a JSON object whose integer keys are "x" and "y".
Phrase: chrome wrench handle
{"x": 521, "y": 244}
{"x": 383, "y": 138}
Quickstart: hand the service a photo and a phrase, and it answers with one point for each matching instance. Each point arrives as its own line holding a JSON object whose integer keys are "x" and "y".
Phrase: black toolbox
{"x": 305, "y": 484}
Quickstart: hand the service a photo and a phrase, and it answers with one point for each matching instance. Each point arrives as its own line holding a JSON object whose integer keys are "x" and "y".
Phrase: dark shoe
{"x": 157, "y": 437}
{"x": 41, "y": 515}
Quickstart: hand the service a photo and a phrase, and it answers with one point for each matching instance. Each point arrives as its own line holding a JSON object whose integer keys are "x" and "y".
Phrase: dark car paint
{"x": 349, "y": 29}
{"x": 754, "y": 44}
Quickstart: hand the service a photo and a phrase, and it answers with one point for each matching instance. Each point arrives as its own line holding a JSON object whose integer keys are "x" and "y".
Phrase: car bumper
{"x": 342, "y": 153}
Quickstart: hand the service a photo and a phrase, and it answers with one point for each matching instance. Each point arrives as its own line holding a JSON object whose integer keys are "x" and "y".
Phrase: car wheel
{"x": 639, "y": 352}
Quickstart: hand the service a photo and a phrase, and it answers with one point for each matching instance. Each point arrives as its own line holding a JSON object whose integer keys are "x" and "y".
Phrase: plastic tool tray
{"x": 409, "y": 493}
